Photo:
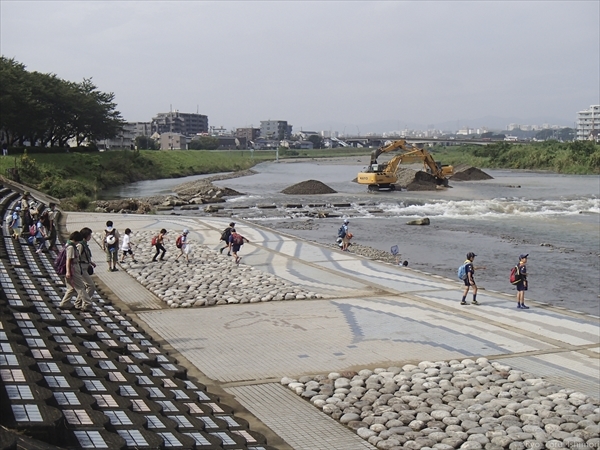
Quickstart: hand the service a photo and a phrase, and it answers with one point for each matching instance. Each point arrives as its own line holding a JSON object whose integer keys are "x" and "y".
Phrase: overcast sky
{"x": 319, "y": 64}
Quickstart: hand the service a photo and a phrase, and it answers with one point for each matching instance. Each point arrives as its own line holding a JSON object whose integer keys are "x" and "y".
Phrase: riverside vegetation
{"x": 577, "y": 157}
{"x": 76, "y": 177}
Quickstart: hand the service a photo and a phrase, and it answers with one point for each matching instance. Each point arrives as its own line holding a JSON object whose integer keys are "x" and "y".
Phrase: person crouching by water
{"x": 236, "y": 240}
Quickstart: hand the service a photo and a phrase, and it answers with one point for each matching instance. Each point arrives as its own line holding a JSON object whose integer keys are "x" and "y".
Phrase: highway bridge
{"x": 378, "y": 141}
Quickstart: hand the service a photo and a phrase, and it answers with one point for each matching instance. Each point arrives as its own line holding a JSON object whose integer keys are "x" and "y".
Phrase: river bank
{"x": 553, "y": 217}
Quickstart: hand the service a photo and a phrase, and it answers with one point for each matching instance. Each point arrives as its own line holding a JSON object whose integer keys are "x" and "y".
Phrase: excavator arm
{"x": 384, "y": 175}
{"x": 388, "y": 148}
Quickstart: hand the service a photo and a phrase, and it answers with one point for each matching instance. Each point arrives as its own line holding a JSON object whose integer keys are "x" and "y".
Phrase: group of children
{"x": 233, "y": 242}
{"x": 112, "y": 242}
{"x": 27, "y": 218}
{"x": 520, "y": 280}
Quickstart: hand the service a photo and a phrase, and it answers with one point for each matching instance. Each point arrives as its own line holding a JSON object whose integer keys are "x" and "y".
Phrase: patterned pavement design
{"x": 374, "y": 315}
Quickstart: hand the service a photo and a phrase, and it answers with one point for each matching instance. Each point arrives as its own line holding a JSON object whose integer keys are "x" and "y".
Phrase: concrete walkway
{"x": 374, "y": 315}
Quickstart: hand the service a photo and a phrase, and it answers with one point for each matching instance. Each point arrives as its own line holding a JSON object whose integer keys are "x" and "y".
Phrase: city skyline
{"x": 321, "y": 65}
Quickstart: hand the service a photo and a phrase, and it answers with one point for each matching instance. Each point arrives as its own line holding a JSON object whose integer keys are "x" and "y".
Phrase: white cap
{"x": 186, "y": 231}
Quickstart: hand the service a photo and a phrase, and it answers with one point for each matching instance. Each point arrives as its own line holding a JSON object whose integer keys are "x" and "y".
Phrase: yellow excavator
{"x": 384, "y": 176}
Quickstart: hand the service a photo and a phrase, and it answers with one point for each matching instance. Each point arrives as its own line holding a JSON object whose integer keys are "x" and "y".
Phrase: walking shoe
{"x": 238, "y": 259}
{"x": 64, "y": 307}
{"x": 524, "y": 307}
{"x": 474, "y": 302}
{"x": 519, "y": 305}
{"x": 228, "y": 254}
{"x": 463, "y": 303}
{"x": 221, "y": 250}
{"x": 135, "y": 261}
{"x": 114, "y": 269}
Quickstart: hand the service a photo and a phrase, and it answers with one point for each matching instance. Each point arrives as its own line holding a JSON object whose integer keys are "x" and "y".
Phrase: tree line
{"x": 44, "y": 110}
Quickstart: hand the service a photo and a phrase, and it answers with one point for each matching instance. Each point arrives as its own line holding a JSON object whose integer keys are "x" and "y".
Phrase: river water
{"x": 554, "y": 218}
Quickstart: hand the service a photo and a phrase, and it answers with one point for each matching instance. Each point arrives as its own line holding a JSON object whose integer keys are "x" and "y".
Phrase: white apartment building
{"x": 588, "y": 120}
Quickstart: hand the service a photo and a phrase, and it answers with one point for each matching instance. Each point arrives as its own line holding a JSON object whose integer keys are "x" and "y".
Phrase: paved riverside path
{"x": 373, "y": 315}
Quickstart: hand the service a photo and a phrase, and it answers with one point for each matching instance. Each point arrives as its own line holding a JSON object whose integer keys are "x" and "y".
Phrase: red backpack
{"x": 515, "y": 275}
{"x": 179, "y": 242}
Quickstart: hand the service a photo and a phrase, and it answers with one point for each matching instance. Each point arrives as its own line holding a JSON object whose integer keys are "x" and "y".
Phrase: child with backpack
{"x": 126, "y": 246}
{"x": 110, "y": 244}
{"x": 87, "y": 266}
{"x": 182, "y": 244}
{"x": 68, "y": 261}
{"x": 236, "y": 241}
{"x": 15, "y": 223}
{"x": 522, "y": 281}
{"x": 345, "y": 235}
{"x": 225, "y": 238}
{"x": 40, "y": 236}
{"x": 466, "y": 273}
{"x": 159, "y": 240}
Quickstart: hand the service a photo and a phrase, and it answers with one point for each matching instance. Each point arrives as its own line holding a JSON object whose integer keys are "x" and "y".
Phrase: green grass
{"x": 67, "y": 175}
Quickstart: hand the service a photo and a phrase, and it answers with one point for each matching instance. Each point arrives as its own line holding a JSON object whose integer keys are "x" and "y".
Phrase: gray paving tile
{"x": 295, "y": 420}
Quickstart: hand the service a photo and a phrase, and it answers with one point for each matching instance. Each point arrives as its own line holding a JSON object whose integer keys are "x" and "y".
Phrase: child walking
{"x": 126, "y": 246}
{"x": 160, "y": 239}
{"x": 182, "y": 244}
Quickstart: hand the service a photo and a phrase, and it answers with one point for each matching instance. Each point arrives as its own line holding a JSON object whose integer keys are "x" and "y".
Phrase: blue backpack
{"x": 342, "y": 232}
{"x": 462, "y": 272}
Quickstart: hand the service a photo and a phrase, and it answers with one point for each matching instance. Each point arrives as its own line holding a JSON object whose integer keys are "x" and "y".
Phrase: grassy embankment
{"x": 78, "y": 177}
{"x": 579, "y": 157}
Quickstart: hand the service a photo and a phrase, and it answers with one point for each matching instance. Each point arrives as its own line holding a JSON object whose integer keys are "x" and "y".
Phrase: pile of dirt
{"x": 309, "y": 187}
{"x": 203, "y": 188}
{"x": 470, "y": 173}
{"x": 416, "y": 180}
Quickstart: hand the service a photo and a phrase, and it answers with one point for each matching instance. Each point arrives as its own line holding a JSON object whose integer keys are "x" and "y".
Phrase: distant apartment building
{"x": 219, "y": 131}
{"x": 588, "y": 122}
{"x": 248, "y": 134}
{"x": 275, "y": 129}
{"x": 142, "y": 128}
{"x": 187, "y": 124}
{"x": 173, "y": 141}
{"x": 126, "y": 136}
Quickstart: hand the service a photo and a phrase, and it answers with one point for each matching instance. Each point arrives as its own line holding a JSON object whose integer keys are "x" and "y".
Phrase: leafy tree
{"x": 204, "y": 143}
{"x": 564, "y": 134}
{"x": 46, "y": 110}
{"x": 145, "y": 143}
{"x": 316, "y": 140}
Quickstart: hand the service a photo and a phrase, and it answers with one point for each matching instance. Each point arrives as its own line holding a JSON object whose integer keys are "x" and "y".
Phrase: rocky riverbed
{"x": 455, "y": 404}
{"x": 210, "y": 278}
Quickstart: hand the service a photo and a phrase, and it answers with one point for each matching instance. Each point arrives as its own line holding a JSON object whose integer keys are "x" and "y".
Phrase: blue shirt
{"x": 16, "y": 220}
